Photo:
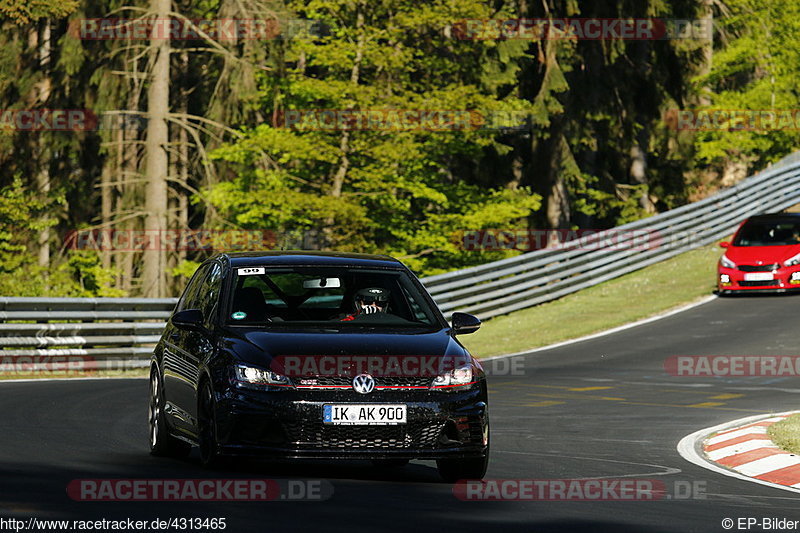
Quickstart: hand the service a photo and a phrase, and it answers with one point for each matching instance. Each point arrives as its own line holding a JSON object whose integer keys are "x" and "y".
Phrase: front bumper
{"x": 785, "y": 279}
{"x": 288, "y": 424}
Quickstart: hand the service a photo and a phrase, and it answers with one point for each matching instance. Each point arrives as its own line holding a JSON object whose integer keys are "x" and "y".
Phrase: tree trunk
{"x": 41, "y": 40}
{"x": 157, "y": 161}
{"x": 344, "y": 142}
{"x": 106, "y": 208}
{"x": 708, "y": 51}
{"x": 558, "y": 208}
{"x": 183, "y": 162}
{"x": 638, "y": 173}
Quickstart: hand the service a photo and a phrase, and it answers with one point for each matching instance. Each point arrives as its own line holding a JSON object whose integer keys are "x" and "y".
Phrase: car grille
{"x": 338, "y": 382}
{"x": 403, "y": 436}
{"x": 759, "y": 268}
{"x": 764, "y": 283}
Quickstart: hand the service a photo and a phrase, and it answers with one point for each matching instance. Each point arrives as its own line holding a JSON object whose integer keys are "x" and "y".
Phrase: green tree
{"x": 24, "y": 11}
{"x": 404, "y": 192}
{"x": 22, "y": 216}
{"x": 756, "y": 69}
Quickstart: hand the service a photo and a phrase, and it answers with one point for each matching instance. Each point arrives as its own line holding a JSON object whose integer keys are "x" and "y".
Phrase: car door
{"x": 179, "y": 374}
{"x": 198, "y": 346}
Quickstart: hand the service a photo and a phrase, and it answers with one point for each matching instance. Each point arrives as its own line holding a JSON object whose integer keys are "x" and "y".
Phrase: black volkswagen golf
{"x": 317, "y": 355}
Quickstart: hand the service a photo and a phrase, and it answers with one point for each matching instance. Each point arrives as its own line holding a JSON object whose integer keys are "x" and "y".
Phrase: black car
{"x": 317, "y": 355}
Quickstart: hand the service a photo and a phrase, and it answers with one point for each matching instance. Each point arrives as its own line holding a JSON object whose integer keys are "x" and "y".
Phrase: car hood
{"x": 750, "y": 255}
{"x": 259, "y": 347}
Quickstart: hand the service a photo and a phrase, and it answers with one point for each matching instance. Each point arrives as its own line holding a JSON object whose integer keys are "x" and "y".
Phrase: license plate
{"x": 369, "y": 414}
{"x": 759, "y": 276}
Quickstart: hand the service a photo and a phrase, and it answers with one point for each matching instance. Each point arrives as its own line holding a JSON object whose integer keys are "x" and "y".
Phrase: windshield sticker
{"x": 239, "y": 315}
{"x": 251, "y": 271}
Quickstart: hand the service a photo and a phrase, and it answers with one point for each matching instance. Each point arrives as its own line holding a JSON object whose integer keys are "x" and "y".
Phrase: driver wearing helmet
{"x": 369, "y": 301}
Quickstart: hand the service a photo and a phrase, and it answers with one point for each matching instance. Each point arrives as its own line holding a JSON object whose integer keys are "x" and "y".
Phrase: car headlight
{"x": 727, "y": 263}
{"x": 792, "y": 261}
{"x": 457, "y": 377}
{"x": 249, "y": 375}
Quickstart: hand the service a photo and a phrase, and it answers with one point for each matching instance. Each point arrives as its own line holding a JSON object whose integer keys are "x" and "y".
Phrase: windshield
{"x": 762, "y": 233}
{"x": 314, "y": 296}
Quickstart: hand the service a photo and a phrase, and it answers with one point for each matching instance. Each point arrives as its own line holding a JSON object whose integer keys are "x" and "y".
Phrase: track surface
{"x": 553, "y": 422}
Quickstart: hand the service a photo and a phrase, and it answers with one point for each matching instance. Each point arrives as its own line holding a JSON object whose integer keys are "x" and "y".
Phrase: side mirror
{"x": 724, "y": 244}
{"x": 188, "y": 319}
{"x": 464, "y": 323}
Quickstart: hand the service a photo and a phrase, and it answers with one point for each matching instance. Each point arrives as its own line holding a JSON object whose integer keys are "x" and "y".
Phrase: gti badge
{"x": 363, "y": 383}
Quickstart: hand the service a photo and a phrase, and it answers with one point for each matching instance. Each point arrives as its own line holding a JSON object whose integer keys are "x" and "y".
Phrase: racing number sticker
{"x": 250, "y": 271}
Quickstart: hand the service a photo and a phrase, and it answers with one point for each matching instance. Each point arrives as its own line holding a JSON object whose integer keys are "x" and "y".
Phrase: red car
{"x": 764, "y": 256}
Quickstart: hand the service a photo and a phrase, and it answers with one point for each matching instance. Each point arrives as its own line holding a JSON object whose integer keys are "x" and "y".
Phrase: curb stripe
{"x": 737, "y": 449}
{"x": 769, "y": 464}
{"x": 749, "y": 451}
{"x": 720, "y": 437}
{"x": 733, "y": 461}
{"x": 785, "y": 476}
{"x": 758, "y": 426}
{"x": 738, "y": 440}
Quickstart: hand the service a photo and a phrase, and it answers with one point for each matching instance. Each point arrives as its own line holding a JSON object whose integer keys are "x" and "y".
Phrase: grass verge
{"x": 641, "y": 294}
{"x": 131, "y": 373}
{"x": 786, "y": 434}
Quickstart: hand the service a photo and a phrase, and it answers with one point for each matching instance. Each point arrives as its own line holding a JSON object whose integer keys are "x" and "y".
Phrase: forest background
{"x": 198, "y": 134}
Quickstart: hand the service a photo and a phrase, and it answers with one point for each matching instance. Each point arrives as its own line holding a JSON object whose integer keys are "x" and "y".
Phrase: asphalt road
{"x": 599, "y": 408}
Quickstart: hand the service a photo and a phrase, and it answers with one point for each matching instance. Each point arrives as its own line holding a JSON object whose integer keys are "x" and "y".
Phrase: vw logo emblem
{"x": 363, "y": 383}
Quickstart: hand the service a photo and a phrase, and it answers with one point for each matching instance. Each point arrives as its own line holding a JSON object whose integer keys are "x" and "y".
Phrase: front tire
{"x": 207, "y": 422}
{"x": 474, "y": 468}
{"x": 162, "y": 444}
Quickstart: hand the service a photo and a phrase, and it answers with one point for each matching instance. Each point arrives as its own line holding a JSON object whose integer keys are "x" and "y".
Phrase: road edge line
{"x": 603, "y": 333}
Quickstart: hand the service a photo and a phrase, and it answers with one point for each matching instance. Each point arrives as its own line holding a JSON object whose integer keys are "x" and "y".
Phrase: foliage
{"x": 592, "y": 148}
{"x": 757, "y": 70}
{"x": 22, "y": 215}
{"x": 184, "y": 270}
{"x": 384, "y": 189}
{"x": 24, "y": 11}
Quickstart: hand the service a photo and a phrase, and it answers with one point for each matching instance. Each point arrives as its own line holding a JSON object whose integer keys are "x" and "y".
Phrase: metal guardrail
{"x": 76, "y": 334}
{"x": 120, "y": 332}
{"x": 526, "y": 280}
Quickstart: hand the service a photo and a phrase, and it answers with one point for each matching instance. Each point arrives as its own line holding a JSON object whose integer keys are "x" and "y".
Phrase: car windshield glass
{"x": 763, "y": 233}
{"x": 314, "y": 296}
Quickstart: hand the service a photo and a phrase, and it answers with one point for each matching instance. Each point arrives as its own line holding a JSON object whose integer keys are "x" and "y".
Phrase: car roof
{"x": 303, "y": 257}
